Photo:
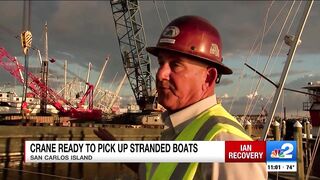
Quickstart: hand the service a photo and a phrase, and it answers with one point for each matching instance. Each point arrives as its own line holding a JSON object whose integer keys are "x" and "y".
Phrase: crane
{"x": 132, "y": 42}
{"x": 65, "y": 108}
{"x": 136, "y": 62}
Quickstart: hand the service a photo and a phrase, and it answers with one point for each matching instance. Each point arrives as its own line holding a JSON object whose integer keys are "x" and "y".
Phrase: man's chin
{"x": 167, "y": 105}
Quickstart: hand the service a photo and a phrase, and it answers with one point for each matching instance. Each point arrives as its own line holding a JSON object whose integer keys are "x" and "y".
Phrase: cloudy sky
{"x": 83, "y": 31}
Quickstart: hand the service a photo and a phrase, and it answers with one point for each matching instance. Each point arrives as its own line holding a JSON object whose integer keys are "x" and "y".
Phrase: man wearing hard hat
{"x": 189, "y": 53}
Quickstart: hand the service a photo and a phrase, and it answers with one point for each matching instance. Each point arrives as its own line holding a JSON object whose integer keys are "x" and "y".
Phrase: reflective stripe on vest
{"x": 204, "y": 127}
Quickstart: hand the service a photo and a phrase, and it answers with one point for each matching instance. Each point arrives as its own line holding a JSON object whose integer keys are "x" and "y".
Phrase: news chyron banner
{"x": 278, "y": 155}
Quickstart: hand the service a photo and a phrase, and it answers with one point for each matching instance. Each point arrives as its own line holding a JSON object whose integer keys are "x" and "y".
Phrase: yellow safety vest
{"x": 204, "y": 128}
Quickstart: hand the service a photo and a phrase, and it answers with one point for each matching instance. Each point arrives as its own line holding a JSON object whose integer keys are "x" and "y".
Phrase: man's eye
{"x": 175, "y": 65}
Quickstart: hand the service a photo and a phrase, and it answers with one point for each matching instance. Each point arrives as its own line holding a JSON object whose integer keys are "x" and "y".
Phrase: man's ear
{"x": 212, "y": 75}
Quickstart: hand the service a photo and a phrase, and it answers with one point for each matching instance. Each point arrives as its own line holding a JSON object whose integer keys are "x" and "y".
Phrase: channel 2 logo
{"x": 281, "y": 151}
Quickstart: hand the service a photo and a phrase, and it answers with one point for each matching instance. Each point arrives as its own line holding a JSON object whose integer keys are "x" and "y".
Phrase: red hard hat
{"x": 195, "y": 37}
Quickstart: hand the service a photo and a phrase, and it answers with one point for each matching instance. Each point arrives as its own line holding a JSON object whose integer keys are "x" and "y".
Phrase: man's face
{"x": 180, "y": 81}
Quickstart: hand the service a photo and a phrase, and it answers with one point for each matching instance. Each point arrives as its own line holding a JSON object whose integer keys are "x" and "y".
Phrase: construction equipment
{"x": 132, "y": 42}
{"x": 65, "y": 108}
{"x": 136, "y": 63}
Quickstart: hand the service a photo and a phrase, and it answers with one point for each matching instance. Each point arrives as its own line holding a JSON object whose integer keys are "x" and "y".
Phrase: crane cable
{"x": 168, "y": 20}
{"x": 15, "y": 35}
{"x": 254, "y": 92}
{"x": 242, "y": 73}
{"x": 269, "y": 98}
{"x": 249, "y": 101}
{"x": 247, "y": 58}
{"x": 155, "y": 5}
{"x": 158, "y": 13}
{"x": 267, "y": 63}
{"x": 26, "y": 36}
{"x": 26, "y": 25}
{"x": 257, "y": 62}
{"x": 281, "y": 46}
{"x": 26, "y": 41}
{"x": 165, "y": 10}
{"x": 269, "y": 59}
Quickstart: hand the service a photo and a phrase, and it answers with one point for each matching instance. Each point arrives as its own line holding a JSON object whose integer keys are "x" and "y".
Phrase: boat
{"x": 11, "y": 104}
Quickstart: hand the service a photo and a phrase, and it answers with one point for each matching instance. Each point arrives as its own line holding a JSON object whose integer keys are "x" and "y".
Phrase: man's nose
{"x": 163, "y": 72}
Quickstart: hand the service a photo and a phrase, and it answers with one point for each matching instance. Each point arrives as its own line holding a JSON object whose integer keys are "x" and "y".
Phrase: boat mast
{"x": 45, "y": 71}
{"x": 100, "y": 76}
{"x": 65, "y": 67}
{"x": 88, "y": 75}
{"x": 293, "y": 48}
{"x": 113, "y": 100}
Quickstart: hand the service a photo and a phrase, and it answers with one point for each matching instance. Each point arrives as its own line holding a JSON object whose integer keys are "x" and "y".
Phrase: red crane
{"x": 65, "y": 108}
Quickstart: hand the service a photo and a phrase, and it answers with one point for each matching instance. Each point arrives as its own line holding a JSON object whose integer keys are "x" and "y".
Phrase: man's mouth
{"x": 165, "y": 85}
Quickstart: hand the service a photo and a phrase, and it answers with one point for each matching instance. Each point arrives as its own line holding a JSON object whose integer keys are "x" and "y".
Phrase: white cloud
{"x": 228, "y": 55}
{"x": 252, "y": 95}
{"x": 225, "y": 95}
{"x": 66, "y": 53}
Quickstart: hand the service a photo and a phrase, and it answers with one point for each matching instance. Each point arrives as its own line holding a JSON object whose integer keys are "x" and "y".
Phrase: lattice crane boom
{"x": 132, "y": 42}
